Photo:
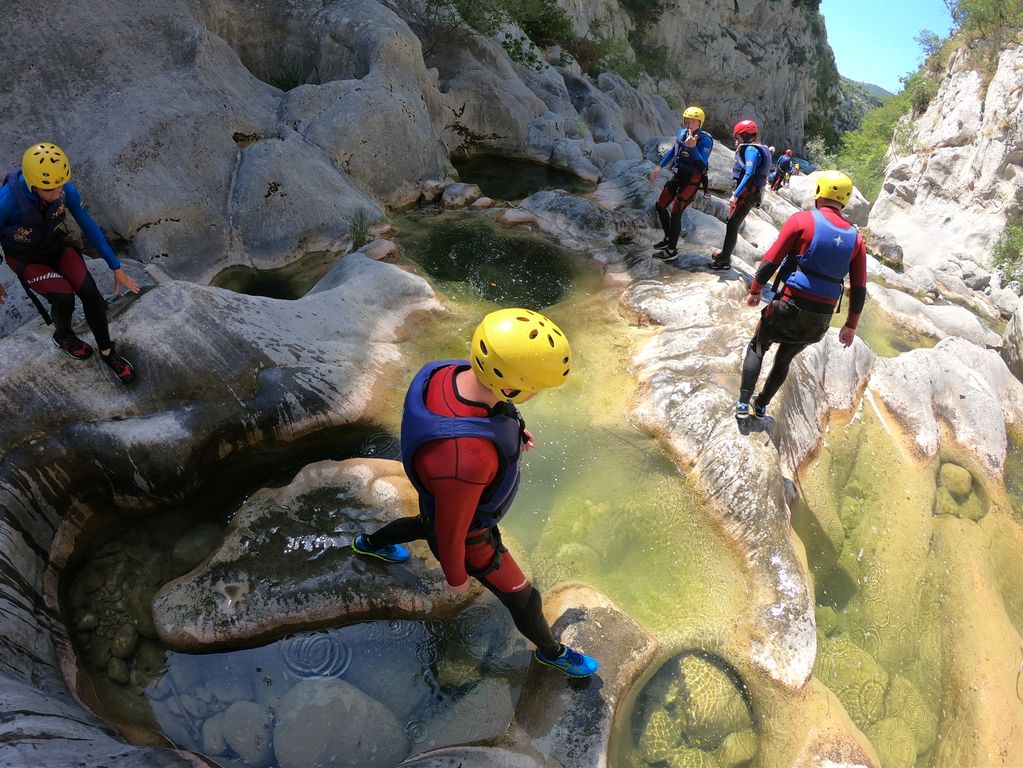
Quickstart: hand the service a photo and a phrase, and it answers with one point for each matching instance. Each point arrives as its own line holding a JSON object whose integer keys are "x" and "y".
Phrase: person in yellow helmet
{"x": 34, "y": 201}
{"x": 688, "y": 159}
{"x": 814, "y": 252}
{"x": 461, "y": 442}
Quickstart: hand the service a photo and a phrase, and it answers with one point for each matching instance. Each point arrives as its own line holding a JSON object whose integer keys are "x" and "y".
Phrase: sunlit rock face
{"x": 769, "y": 47}
{"x": 954, "y": 173}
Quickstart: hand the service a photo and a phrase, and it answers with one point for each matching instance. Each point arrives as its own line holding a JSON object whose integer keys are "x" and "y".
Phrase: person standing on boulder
{"x": 688, "y": 160}
{"x": 34, "y": 201}
{"x": 815, "y": 251}
{"x": 749, "y": 177}
{"x": 784, "y": 168}
{"x": 462, "y": 439}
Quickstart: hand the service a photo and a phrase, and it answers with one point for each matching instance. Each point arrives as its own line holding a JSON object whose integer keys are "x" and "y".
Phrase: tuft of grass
{"x": 358, "y": 227}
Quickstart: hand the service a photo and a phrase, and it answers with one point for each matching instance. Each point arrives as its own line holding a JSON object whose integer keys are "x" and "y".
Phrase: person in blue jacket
{"x": 784, "y": 169}
{"x": 688, "y": 159}
{"x": 34, "y": 202}
{"x": 749, "y": 177}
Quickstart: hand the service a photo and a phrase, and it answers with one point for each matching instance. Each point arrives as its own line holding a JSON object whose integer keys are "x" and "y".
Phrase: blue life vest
{"x": 686, "y": 158}
{"x": 821, "y": 270}
{"x": 760, "y": 172}
{"x": 785, "y": 163}
{"x": 420, "y": 425}
{"x": 34, "y": 232}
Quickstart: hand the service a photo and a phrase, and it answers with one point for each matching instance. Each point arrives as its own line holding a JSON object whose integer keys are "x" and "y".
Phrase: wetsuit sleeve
{"x": 668, "y": 156}
{"x": 456, "y": 472}
{"x": 857, "y": 283}
{"x": 93, "y": 233}
{"x": 7, "y": 205}
{"x": 752, "y": 157}
{"x": 792, "y": 236}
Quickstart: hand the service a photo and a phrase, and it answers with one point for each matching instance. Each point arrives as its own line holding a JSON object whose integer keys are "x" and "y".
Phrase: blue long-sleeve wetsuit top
{"x": 753, "y": 159}
{"x": 699, "y": 156}
{"x": 73, "y": 201}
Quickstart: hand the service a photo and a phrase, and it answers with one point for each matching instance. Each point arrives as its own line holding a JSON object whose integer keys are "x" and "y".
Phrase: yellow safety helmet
{"x": 45, "y": 166}
{"x": 521, "y": 350}
{"x": 833, "y": 185}
{"x": 694, "y": 113}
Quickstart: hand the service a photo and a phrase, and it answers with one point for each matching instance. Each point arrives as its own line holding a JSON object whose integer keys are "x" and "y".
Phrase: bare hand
{"x": 461, "y": 589}
{"x": 753, "y": 300}
{"x": 123, "y": 280}
{"x": 3, "y": 293}
{"x": 691, "y": 141}
{"x": 655, "y": 173}
{"x": 528, "y": 441}
{"x": 846, "y": 335}
{"x": 731, "y": 205}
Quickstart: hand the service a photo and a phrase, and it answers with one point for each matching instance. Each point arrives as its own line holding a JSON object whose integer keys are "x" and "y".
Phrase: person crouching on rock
{"x": 461, "y": 442}
{"x": 34, "y": 201}
{"x": 815, "y": 251}
{"x": 749, "y": 178}
{"x": 688, "y": 159}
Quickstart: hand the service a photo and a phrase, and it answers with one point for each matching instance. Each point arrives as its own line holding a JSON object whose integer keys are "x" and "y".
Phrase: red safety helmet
{"x": 744, "y": 127}
{"x": 788, "y": 151}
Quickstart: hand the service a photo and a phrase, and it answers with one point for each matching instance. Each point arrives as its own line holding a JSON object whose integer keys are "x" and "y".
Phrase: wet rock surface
{"x": 297, "y": 540}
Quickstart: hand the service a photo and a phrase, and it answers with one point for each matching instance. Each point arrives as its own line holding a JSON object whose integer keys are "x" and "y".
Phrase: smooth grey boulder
{"x": 1012, "y": 343}
{"x": 287, "y": 564}
{"x": 937, "y": 321}
{"x": 969, "y": 388}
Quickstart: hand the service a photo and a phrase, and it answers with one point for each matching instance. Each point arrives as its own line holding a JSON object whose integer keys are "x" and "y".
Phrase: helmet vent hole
{"x": 498, "y": 373}
{"x": 550, "y": 340}
{"x": 565, "y": 361}
{"x": 566, "y": 372}
{"x": 480, "y": 364}
{"x": 523, "y": 319}
{"x": 557, "y": 331}
{"x": 483, "y": 348}
{"x": 534, "y": 333}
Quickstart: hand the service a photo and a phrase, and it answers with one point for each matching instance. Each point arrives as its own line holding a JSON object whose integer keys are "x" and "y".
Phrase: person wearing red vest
{"x": 815, "y": 251}
{"x": 462, "y": 439}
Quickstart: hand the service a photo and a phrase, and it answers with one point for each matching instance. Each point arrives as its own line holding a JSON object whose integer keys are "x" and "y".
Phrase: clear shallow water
{"x": 884, "y": 337}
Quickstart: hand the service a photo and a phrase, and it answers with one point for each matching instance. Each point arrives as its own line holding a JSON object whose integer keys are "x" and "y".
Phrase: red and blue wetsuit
{"x": 688, "y": 166}
{"x": 749, "y": 176}
{"x": 821, "y": 248}
{"x": 456, "y": 477}
{"x": 33, "y": 235}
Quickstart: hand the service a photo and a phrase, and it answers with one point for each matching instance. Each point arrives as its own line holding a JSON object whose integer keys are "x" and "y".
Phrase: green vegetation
{"x": 358, "y": 227}
{"x": 1008, "y": 251}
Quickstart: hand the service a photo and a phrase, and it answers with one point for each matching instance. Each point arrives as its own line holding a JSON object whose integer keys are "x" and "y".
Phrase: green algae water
{"x": 885, "y": 338}
{"x": 912, "y": 609}
{"x": 600, "y": 503}
{"x": 504, "y": 179}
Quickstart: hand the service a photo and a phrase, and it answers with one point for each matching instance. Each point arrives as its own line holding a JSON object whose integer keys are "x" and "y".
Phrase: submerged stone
{"x": 328, "y": 722}
{"x": 893, "y": 740}
{"x": 957, "y": 480}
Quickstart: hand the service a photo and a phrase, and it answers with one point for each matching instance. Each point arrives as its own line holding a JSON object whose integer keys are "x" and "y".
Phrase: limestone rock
{"x": 247, "y": 729}
{"x": 957, "y": 165}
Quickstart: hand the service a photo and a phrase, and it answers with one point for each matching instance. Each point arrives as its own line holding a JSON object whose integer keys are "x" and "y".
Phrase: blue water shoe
{"x": 392, "y": 553}
{"x": 572, "y": 663}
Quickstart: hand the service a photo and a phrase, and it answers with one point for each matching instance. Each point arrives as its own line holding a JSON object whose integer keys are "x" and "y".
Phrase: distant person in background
{"x": 749, "y": 178}
{"x": 34, "y": 202}
{"x": 795, "y": 170}
{"x": 784, "y": 169}
{"x": 815, "y": 250}
{"x": 688, "y": 160}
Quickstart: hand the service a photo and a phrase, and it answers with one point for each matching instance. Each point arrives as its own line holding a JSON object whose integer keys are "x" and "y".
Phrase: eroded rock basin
{"x": 605, "y": 505}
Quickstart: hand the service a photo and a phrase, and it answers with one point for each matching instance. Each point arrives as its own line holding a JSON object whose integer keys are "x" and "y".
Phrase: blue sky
{"x": 873, "y": 39}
